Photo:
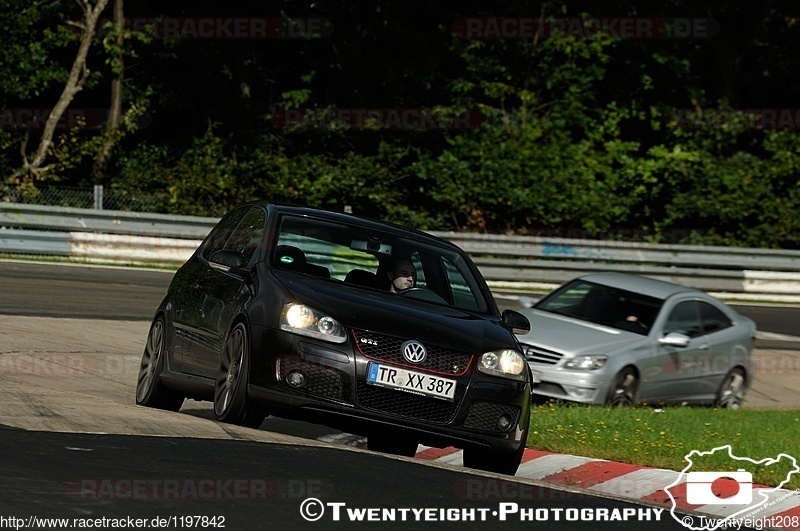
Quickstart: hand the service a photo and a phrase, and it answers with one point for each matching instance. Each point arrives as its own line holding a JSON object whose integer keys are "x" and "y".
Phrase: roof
{"x": 639, "y": 284}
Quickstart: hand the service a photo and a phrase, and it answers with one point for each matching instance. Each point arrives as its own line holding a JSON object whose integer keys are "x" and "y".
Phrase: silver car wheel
{"x": 230, "y": 370}
{"x": 731, "y": 392}
{"x": 231, "y": 403}
{"x": 624, "y": 391}
{"x": 150, "y": 390}
{"x": 151, "y": 358}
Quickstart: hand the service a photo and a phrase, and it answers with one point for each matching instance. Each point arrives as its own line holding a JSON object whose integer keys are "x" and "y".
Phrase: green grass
{"x": 661, "y": 437}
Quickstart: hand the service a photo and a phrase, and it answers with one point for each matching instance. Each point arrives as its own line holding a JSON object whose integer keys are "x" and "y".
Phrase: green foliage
{"x": 579, "y": 131}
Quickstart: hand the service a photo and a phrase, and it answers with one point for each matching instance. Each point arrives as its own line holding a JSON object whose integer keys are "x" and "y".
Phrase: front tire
{"x": 150, "y": 391}
{"x": 731, "y": 392}
{"x": 391, "y": 443}
{"x": 493, "y": 461}
{"x": 623, "y": 393}
{"x": 231, "y": 403}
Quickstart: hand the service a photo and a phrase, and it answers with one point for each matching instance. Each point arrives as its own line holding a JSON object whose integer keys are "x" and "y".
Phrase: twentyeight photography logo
{"x": 730, "y": 489}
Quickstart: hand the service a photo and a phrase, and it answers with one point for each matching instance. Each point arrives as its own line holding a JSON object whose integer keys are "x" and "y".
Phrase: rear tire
{"x": 231, "y": 403}
{"x": 150, "y": 391}
{"x": 731, "y": 392}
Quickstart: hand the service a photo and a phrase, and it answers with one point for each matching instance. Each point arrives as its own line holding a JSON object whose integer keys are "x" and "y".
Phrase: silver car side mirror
{"x": 675, "y": 339}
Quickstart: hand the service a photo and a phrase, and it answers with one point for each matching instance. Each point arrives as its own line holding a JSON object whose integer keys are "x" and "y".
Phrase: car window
{"x": 417, "y": 261}
{"x": 463, "y": 296}
{"x": 684, "y": 319}
{"x": 312, "y": 254}
{"x": 248, "y": 235}
{"x": 362, "y": 257}
{"x": 219, "y": 236}
{"x": 713, "y": 318}
{"x": 604, "y": 305}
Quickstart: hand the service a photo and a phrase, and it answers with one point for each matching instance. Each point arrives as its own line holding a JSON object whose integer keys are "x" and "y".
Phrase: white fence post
{"x": 98, "y": 197}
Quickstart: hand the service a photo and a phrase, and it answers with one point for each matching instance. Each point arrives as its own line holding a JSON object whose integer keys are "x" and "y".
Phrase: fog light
{"x": 504, "y": 422}
{"x": 296, "y": 379}
{"x": 580, "y": 393}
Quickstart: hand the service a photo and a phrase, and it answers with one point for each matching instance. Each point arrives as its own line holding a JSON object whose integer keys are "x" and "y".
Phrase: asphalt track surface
{"x": 72, "y": 444}
{"x": 252, "y": 485}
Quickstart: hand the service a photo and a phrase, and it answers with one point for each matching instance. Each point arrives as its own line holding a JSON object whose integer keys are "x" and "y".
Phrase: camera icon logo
{"x": 699, "y": 489}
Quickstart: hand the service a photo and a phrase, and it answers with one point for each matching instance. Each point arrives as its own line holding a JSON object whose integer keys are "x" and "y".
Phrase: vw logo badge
{"x": 414, "y": 351}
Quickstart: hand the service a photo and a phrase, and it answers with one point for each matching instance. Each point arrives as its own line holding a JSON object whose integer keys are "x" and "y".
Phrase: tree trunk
{"x": 115, "y": 109}
{"x": 77, "y": 77}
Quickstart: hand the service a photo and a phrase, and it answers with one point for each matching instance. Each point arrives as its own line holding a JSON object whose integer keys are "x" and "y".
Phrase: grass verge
{"x": 661, "y": 437}
{"x": 87, "y": 262}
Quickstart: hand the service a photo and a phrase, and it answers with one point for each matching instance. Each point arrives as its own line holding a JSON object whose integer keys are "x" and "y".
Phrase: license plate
{"x": 411, "y": 381}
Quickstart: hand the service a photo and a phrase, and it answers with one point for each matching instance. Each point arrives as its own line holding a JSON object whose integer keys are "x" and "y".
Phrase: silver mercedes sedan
{"x": 620, "y": 339}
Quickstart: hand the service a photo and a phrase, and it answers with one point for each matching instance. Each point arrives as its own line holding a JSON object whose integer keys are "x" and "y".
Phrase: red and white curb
{"x": 637, "y": 483}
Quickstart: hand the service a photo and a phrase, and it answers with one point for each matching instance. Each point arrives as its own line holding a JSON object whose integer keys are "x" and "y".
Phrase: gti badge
{"x": 413, "y": 351}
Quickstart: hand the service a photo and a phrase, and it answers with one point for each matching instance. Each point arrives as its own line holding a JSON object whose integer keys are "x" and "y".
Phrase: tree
{"x": 111, "y": 133}
{"x": 33, "y": 166}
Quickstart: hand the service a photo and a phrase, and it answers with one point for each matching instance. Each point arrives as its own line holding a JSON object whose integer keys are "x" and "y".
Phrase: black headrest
{"x": 288, "y": 257}
{"x": 361, "y": 277}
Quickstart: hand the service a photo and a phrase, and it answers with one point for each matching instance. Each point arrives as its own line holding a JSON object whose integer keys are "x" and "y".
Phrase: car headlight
{"x": 506, "y": 363}
{"x": 590, "y": 362}
{"x": 301, "y": 319}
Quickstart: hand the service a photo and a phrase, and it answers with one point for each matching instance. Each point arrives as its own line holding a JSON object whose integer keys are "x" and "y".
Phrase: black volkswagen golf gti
{"x": 290, "y": 311}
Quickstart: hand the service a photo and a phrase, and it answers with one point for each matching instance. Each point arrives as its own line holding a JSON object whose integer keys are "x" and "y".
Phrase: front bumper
{"x": 335, "y": 393}
{"x": 586, "y": 387}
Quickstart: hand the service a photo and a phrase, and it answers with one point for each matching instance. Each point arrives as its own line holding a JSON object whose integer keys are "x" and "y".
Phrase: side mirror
{"x": 675, "y": 339}
{"x": 227, "y": 260}
{"x": 518, "y": 323}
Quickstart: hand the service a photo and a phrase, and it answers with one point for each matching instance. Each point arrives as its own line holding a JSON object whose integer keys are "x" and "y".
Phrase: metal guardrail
{"x": 24, "y": 216}
{"x": 753, "y": 273}
{"x": 511, "y": 262}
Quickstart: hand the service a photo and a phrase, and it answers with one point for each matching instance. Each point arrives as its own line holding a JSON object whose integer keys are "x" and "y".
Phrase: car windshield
{"x": 603, "y": 305}
{"x": 363, "y": 258}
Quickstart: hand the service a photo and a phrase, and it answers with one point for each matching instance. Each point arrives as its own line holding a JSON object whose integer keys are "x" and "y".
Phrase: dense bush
{"x": 583, "y": 134}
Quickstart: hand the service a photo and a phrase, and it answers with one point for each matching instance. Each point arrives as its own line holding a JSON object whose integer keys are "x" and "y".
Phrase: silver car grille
{"x": 540, "y": 355}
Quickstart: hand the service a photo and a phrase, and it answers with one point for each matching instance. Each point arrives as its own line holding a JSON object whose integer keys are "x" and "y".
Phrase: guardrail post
{"x": 98, "y": 197}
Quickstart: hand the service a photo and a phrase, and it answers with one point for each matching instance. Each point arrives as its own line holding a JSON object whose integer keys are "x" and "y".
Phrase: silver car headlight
{"x": 589, "y": 362}
{"x": 304, "y": 320}
{"x": 506, "y": 363}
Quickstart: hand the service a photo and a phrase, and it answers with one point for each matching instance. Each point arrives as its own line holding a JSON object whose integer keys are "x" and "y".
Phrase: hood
{"x": 387, "y": 313}
{"x": 575, "y": 337}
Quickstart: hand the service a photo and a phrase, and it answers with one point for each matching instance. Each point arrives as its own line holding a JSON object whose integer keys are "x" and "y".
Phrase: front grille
{"x": 441, "y": 360}
{"x": 541, "y": 355}
{"x": 405, "y": 404}
{"x": 322, "y": 381}
{"x": 483, "y": 416}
